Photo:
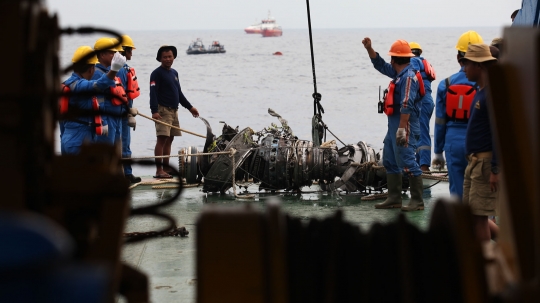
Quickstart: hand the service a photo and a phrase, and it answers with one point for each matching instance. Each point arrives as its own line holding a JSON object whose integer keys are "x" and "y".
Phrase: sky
{"x": 129, "y": 15}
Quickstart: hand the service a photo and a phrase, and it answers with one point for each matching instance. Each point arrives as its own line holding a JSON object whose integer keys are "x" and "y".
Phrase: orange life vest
{"x": 119, "y": 94}
{"x": 132, "y": 89}
{"x": 429, "y": 70}
{"x": 458, "y": 101}
{"x": 64, "y": 105}
{"x": 389, "y": 104}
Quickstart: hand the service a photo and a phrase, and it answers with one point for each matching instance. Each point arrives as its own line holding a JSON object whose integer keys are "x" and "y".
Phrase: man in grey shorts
{"x": 165, "y": 96}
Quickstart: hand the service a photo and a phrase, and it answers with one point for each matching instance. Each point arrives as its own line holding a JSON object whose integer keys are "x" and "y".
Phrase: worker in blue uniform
{"x": 402, "y": 106}
{"x": 83, "y": 129}
{"x": 113, "y": 107}
{"x": 419, "y": 63}
{"x": 451, "y": 118}
{"x": 128, "y": 121}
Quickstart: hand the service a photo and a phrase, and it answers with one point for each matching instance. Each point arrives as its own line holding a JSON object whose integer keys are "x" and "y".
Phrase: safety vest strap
{"x": 98, "y": 123}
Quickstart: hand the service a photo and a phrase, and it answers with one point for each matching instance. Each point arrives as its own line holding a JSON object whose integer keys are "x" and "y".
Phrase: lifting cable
{"x": 318, "y": 128}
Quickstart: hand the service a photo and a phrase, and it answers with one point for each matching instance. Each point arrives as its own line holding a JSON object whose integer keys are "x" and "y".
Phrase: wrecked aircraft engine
{"x": 278, "y": 160}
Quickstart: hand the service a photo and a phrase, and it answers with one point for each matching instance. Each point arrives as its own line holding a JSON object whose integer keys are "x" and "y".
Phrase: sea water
{"x": 239, "y": 86}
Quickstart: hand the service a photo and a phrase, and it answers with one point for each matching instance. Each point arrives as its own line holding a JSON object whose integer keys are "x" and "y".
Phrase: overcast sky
{"x": 290, "y": 14}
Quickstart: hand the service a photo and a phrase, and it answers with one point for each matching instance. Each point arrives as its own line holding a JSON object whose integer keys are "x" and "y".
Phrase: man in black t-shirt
{"x": 165, "y": 97}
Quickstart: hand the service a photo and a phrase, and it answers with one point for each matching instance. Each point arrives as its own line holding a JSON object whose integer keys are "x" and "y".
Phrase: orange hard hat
{"x": 400, "y": 48}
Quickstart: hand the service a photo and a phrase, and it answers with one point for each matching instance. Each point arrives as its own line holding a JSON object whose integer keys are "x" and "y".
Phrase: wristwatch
{"x": 494, "y": 170}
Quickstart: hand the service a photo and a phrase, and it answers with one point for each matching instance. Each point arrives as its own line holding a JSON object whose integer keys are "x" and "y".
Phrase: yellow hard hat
{"x": 106, "y": 43}
{"x": 414, "y": 45}
{"x": 470, "y": 37}
{"x": 83, "y": 51}
{"x": 127, "y": 41}
{"x": 119, "y": 46}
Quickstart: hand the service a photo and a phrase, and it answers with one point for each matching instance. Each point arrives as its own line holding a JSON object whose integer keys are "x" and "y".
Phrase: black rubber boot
{"x": 133, "y": 179}
{"x": 394, "y": 192}
{"x": 417, "y": 187}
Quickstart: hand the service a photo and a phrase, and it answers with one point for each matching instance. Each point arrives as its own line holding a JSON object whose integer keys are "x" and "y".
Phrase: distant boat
{"x": 254, "y": 28}
{"x": 196, "y": 48}
{"x": 268, "y": 28}
{"x": 216, "y": 48}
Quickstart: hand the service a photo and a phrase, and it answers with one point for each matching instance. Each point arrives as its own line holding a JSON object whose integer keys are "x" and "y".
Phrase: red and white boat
{"x": 267, "y": 27}
{"x": 270, "y": 28}
{"x": 253, "y": 29}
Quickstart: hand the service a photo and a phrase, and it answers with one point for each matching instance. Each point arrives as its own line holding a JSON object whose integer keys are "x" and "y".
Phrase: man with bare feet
{"x": 165, "y": 96}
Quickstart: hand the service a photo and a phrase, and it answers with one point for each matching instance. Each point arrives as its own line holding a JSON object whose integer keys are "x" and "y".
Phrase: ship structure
{"x": 255, "y": 28}
{"x": 267, "y": 27}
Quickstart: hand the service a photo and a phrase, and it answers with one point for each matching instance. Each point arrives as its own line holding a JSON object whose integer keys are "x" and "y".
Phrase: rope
{"x": 425, "y": 175}
{"x": 159, "y": 181}
{"x": 175, "y": 127}
{"x": 326, "y": 127}
{"x": 316, "y": 95}
{"x": 317, "y": 125}
{"x": 180, "y": 155}
{"x": 436, "y": 172}
{"x": 173, "y": 187}
{"x": 432, "y": 177}
{"x": 231, "y": 153}
{"x": 384, "y": 195}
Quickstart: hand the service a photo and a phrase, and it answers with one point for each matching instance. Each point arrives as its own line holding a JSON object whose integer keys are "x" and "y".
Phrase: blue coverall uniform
{"x": 398, "y": 159}
{"x": 75, "y": 133}
{"x": 450, "y": 135}
{"x": 115, "y": 123}
{"x": 126, "y": 130}
{"x": 423, "y": 152}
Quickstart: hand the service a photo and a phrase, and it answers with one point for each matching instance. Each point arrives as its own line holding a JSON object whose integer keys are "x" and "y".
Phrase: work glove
{"x": 131, "y": 121}
{"x": 401, "y": 137}
{"x": 438, "y": 162}
{"x": 133, "y": 111}
{"x": 118, "y": 61}
{"x": 105, "y": 130}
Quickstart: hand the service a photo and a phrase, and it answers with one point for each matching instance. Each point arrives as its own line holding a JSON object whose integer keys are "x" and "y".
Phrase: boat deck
{"x": 170, "y": 261}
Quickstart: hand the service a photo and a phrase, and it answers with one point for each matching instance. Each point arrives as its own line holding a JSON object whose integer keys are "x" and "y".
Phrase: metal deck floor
{"x": 170, "y": 261}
